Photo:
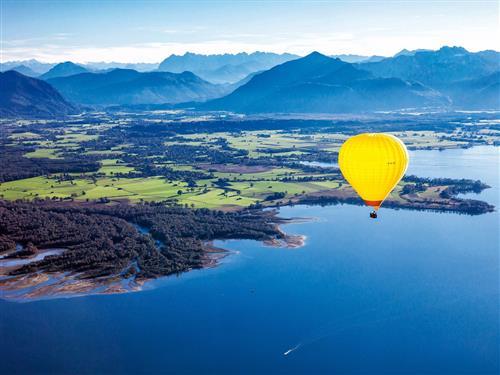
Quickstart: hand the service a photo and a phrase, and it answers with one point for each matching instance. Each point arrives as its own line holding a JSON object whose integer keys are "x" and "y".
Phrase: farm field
{"x": 226, "y": 170}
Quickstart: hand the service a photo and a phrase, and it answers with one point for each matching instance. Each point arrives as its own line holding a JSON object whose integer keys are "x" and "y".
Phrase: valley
{"x": 229, "y": 167}
{"x": 139, "y": 196}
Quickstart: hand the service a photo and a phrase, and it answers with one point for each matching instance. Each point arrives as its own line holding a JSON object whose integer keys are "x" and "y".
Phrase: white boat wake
{"x": 360, "y": 320}
{"x": 292, "y": 349}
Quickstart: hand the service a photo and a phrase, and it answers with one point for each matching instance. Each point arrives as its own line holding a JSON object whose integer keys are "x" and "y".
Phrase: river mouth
{"x": 6, "y": 262}
{"x": 25, "y": 285}
{"x": 49, "y": 285}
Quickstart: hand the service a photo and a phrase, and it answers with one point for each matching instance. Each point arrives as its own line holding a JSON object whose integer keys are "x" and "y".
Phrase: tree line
{"x": 104, "y": 240}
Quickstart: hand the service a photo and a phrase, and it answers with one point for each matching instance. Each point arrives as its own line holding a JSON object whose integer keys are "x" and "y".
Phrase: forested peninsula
{"x": 113, "y": 248}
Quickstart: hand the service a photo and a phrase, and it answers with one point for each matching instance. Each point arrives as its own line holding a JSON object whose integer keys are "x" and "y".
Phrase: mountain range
{"x": 23, "y": 69}
{"x": 37, "y": 68}
{"x": 238, "y": 64}
{"x": 437, "y": 68}
{"x": 469, "y": 79}
{"x": 140, "y": 67}
{"x": 317, "y": 83}
{"x": 35, "y": 65}
{"x": 126, "y": 86}
{"x": 30, "y": 97}
{"x": 226, "y": 68}
{"x": 449, "y": 78}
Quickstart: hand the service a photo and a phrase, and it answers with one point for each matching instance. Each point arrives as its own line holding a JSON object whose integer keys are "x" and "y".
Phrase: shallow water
{"x": 477, "y": 163}
{"x": 43, "y": 253}
{"x": 410, "y": 292}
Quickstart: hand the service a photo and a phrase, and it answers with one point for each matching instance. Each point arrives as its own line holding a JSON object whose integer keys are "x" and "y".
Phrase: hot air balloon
{"x": 373, "y": 164}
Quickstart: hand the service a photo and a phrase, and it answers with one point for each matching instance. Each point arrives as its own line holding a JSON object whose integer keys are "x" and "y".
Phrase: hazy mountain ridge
{"x": 450, "y": 70}
{"x": 23, "y": 69}
{"x": 406, "y": 52}
{"x": 224, "y": 68}
{"x": 449, "y": 78}
{"x": 357, "y": 58}
{"x": 64, "y": 69}
{"x": 41, "y": 67}
{"x": 317, "y": 83}
{"x": 476, "y": 93}
{"x": 35, "y": 65}
{"x": 126, "y": 86}
{"x": 102, "y": 66}
{"x": 437, "y": 68}
{"x": 30, "y": 97}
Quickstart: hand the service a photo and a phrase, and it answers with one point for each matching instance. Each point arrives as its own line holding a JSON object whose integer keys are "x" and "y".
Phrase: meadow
{"x": 226, "y": 170}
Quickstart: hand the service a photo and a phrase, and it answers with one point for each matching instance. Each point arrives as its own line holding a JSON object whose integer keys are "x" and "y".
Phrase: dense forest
{"x": 105, "y": 240}
{"x": 460, "y": 206}
{"x": 413, "y": 184}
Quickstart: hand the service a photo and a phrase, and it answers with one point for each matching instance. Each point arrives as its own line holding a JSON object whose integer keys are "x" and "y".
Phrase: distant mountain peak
{"x": 453, "y": 50}
{"x": 64, "y": 69}
{"x": 316, "y": 59}
{"x": 315, "y": 55}
{"x": 67, "y": 65}
{"x": 23, "y": 69}
{"x": 406, "y": 52}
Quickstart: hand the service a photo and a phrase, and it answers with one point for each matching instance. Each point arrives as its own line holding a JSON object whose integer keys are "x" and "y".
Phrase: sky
{"x": 150, "y": 31}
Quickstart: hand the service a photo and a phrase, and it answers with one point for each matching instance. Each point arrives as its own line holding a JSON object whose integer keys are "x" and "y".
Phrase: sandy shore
{"x": 289, "y": 242}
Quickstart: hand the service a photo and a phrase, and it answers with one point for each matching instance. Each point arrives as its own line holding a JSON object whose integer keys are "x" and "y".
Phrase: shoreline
{"x": 46, "y": 285}
{"x": 453, "y": 204}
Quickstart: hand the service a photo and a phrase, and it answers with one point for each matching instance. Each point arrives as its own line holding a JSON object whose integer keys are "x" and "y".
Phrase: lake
{"x": 411, "y": 292}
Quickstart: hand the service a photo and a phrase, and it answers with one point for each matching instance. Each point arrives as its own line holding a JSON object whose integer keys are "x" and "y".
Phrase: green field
{"x": 243, "y": 184}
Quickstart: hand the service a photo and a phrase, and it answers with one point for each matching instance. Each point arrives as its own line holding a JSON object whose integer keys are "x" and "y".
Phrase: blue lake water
{"x": 411, "y": 292}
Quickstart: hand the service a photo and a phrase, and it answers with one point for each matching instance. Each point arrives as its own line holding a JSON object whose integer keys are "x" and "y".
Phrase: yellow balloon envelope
{"x": 373, "y": 163}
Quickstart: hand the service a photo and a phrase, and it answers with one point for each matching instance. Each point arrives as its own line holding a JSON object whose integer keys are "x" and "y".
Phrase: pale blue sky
{"x": 149, "y": 31}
